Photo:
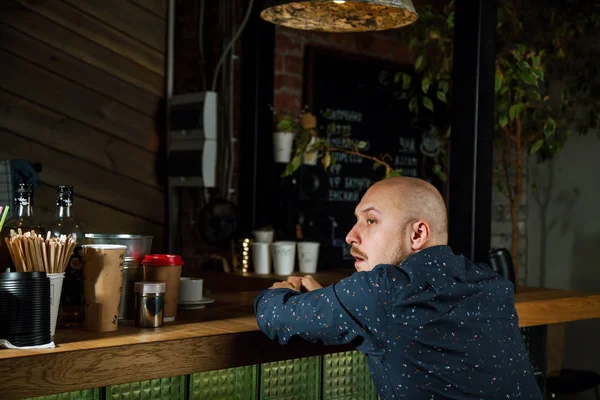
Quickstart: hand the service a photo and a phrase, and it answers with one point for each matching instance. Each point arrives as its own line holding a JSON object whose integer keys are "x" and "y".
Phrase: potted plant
{"x": 308, "y": 124}
{"x": 285, "y": 128}
{"x": 310, "y": 147}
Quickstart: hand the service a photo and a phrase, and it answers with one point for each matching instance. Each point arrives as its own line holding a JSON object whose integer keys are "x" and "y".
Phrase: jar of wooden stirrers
{"x": 32, "y": 253}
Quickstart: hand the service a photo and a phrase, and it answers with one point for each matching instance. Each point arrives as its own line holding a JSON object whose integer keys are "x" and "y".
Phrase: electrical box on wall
{"x": 192, "y": 140}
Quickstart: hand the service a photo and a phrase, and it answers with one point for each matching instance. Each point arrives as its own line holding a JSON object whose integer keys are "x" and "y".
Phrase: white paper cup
{"x": 261, "y": 258}
{"x": 56, "y": 283}
{"x": 263, "y": 236}
{"x": 282, "y": 146}
{"x": 284, "y": 256}
{"x": 308, "y": 256}
{"x": 190, "y": 290}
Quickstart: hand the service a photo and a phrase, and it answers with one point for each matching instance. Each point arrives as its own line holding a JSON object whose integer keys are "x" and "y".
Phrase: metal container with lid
{"x": 132, "y": 273}
{"x": 137, "y": 245}
{"x": 149, "y": 304}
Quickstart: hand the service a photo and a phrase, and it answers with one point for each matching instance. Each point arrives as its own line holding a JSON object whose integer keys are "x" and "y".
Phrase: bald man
{"x": 433, "y": 324}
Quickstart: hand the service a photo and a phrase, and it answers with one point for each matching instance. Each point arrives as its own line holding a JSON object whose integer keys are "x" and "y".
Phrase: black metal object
{"x": 471, "y": 142}
{"x": 536, "y": 340}
{"x": 571, "y": 381}
{"x": 258, "y": 43}
{"x": 501, "y": 262}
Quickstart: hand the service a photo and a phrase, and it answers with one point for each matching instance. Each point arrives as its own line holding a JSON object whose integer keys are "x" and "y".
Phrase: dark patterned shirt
{"x": 437, "y": 326}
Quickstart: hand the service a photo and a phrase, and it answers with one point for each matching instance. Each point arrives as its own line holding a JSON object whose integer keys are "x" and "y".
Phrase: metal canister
{"x": 132, "y": 273}
{"x": 149, "y": 304}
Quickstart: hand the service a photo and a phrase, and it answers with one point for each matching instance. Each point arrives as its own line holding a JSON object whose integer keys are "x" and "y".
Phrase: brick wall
{"x": 289, "y": 57}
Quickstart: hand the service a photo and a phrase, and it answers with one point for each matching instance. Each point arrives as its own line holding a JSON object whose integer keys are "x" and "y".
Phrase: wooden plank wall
{"x": 80, "y": 86}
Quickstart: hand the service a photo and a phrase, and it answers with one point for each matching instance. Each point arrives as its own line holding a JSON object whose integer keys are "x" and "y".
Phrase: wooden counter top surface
{"x": 222, "y": 335}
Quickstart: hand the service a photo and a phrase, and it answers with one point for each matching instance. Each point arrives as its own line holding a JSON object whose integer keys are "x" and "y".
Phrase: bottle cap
{"x": 149, "y": 287}
{"x": 24, "y": 188}
{"x": 163, "y": 260}
{"x": 64, "y": 189}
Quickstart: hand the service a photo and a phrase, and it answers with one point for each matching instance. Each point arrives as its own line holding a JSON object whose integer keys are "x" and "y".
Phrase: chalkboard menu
{"x": 355, "y": 98}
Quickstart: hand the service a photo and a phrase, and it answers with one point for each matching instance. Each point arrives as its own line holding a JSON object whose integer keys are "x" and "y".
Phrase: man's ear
{"x": 419, "y": 234}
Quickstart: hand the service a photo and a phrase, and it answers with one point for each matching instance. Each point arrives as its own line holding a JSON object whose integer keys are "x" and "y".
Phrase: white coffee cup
{"x": 308, "y": 256}
{"x": 190, "y": 290}
{"x": 284, "y": 256}
{"x": 263, "y": 236}
{"x": 261, "y": 257}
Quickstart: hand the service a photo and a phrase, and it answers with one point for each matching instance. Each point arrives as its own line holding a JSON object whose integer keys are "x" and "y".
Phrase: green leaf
{"x": 362, "y": 144}
{"x": 293, "y": 165}
{"x": 376, "y": 165}
{"x": 536, "y": 95}
{"x": 444, "y": 86}
{"x": 514, "y": 111}
{"x": 549, "y": 127}
{"x": 406, "y": 79}
{"x": 326, "y": 160}
{"x": 500, "y": 187}
{"x": 394, "y": 173}
{"x": 419, "y": 63}
{"x": 425, "y": 83}
{"x": 412, "y": 43}
{"x": 536, "y": 146}
{"x": 427, "y": 103}
{"x": 285, "y": 125}
{"x": 516, "y": 54}
{"x": 498, "y": 80}
{"x": 397, "y": 77}
{"x": 413, "y": 105}
{"x": 442, "y": 96}
{"x": 448, "y": 132}
{"x": 503, "y": 120}
{"x": 528, "y": 78}
{"x": 433, "y": 35}
{"x": 450, "y": 20}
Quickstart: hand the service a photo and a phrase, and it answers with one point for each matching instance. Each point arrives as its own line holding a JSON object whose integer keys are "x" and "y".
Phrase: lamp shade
{"x": 339, "y": 15}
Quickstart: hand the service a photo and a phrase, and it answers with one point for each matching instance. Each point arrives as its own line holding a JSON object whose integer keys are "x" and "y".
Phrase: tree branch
{"x": 387, "y": 166}
{"x": 508, "y": 192}
{"x": 509, "y": 134}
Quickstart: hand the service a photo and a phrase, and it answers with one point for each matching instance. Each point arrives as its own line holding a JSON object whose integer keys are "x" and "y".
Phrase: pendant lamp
{"x": 340, "y": 15}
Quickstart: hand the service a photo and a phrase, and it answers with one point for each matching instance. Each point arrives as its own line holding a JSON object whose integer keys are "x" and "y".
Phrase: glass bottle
{"x": 22, "y": 217}
{"x": 71, "y": 301}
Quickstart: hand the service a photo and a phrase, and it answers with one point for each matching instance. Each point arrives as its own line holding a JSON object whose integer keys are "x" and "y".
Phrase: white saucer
{"x": 194, "y": 305}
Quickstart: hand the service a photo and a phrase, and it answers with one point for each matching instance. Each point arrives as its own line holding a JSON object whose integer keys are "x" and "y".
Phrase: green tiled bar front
{"x": 155, "y": 389}
{"x": 226, "y": 384}
{"x": 346, "y": 376}
{"x": 341, "y": 376}
{"x": 297, "y": 379}
{"x": 88, "y": 394}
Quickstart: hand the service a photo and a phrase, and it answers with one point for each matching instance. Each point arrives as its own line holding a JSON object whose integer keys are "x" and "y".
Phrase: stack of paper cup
{"x": 284, "y": 256}
{"x": 56, "y": 283}
{"x": 308, "y": 255}
{"x": 263, "y": 235}
{"x": 261, "y": 251}
{"x": 261, "y": 257}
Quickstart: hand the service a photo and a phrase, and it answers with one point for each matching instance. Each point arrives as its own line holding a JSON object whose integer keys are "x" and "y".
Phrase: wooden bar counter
{"x": 223, "y": 335}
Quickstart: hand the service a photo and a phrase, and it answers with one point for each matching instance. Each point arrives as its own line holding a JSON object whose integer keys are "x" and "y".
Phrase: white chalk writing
{"x": 342, "y": 115}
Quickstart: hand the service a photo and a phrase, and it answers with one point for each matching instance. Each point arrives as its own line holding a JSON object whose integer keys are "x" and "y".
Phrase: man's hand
{"x": 309, "y": 284}
{"x": 283, "y": 285}
{"x": 298, "y": 283}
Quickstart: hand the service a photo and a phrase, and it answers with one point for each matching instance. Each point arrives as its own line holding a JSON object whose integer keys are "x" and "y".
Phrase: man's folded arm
{"x": 348, "y": 312}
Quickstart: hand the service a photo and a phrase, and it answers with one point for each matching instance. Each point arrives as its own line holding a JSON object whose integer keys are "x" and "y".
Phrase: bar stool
{"x": 571, "y": 381}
